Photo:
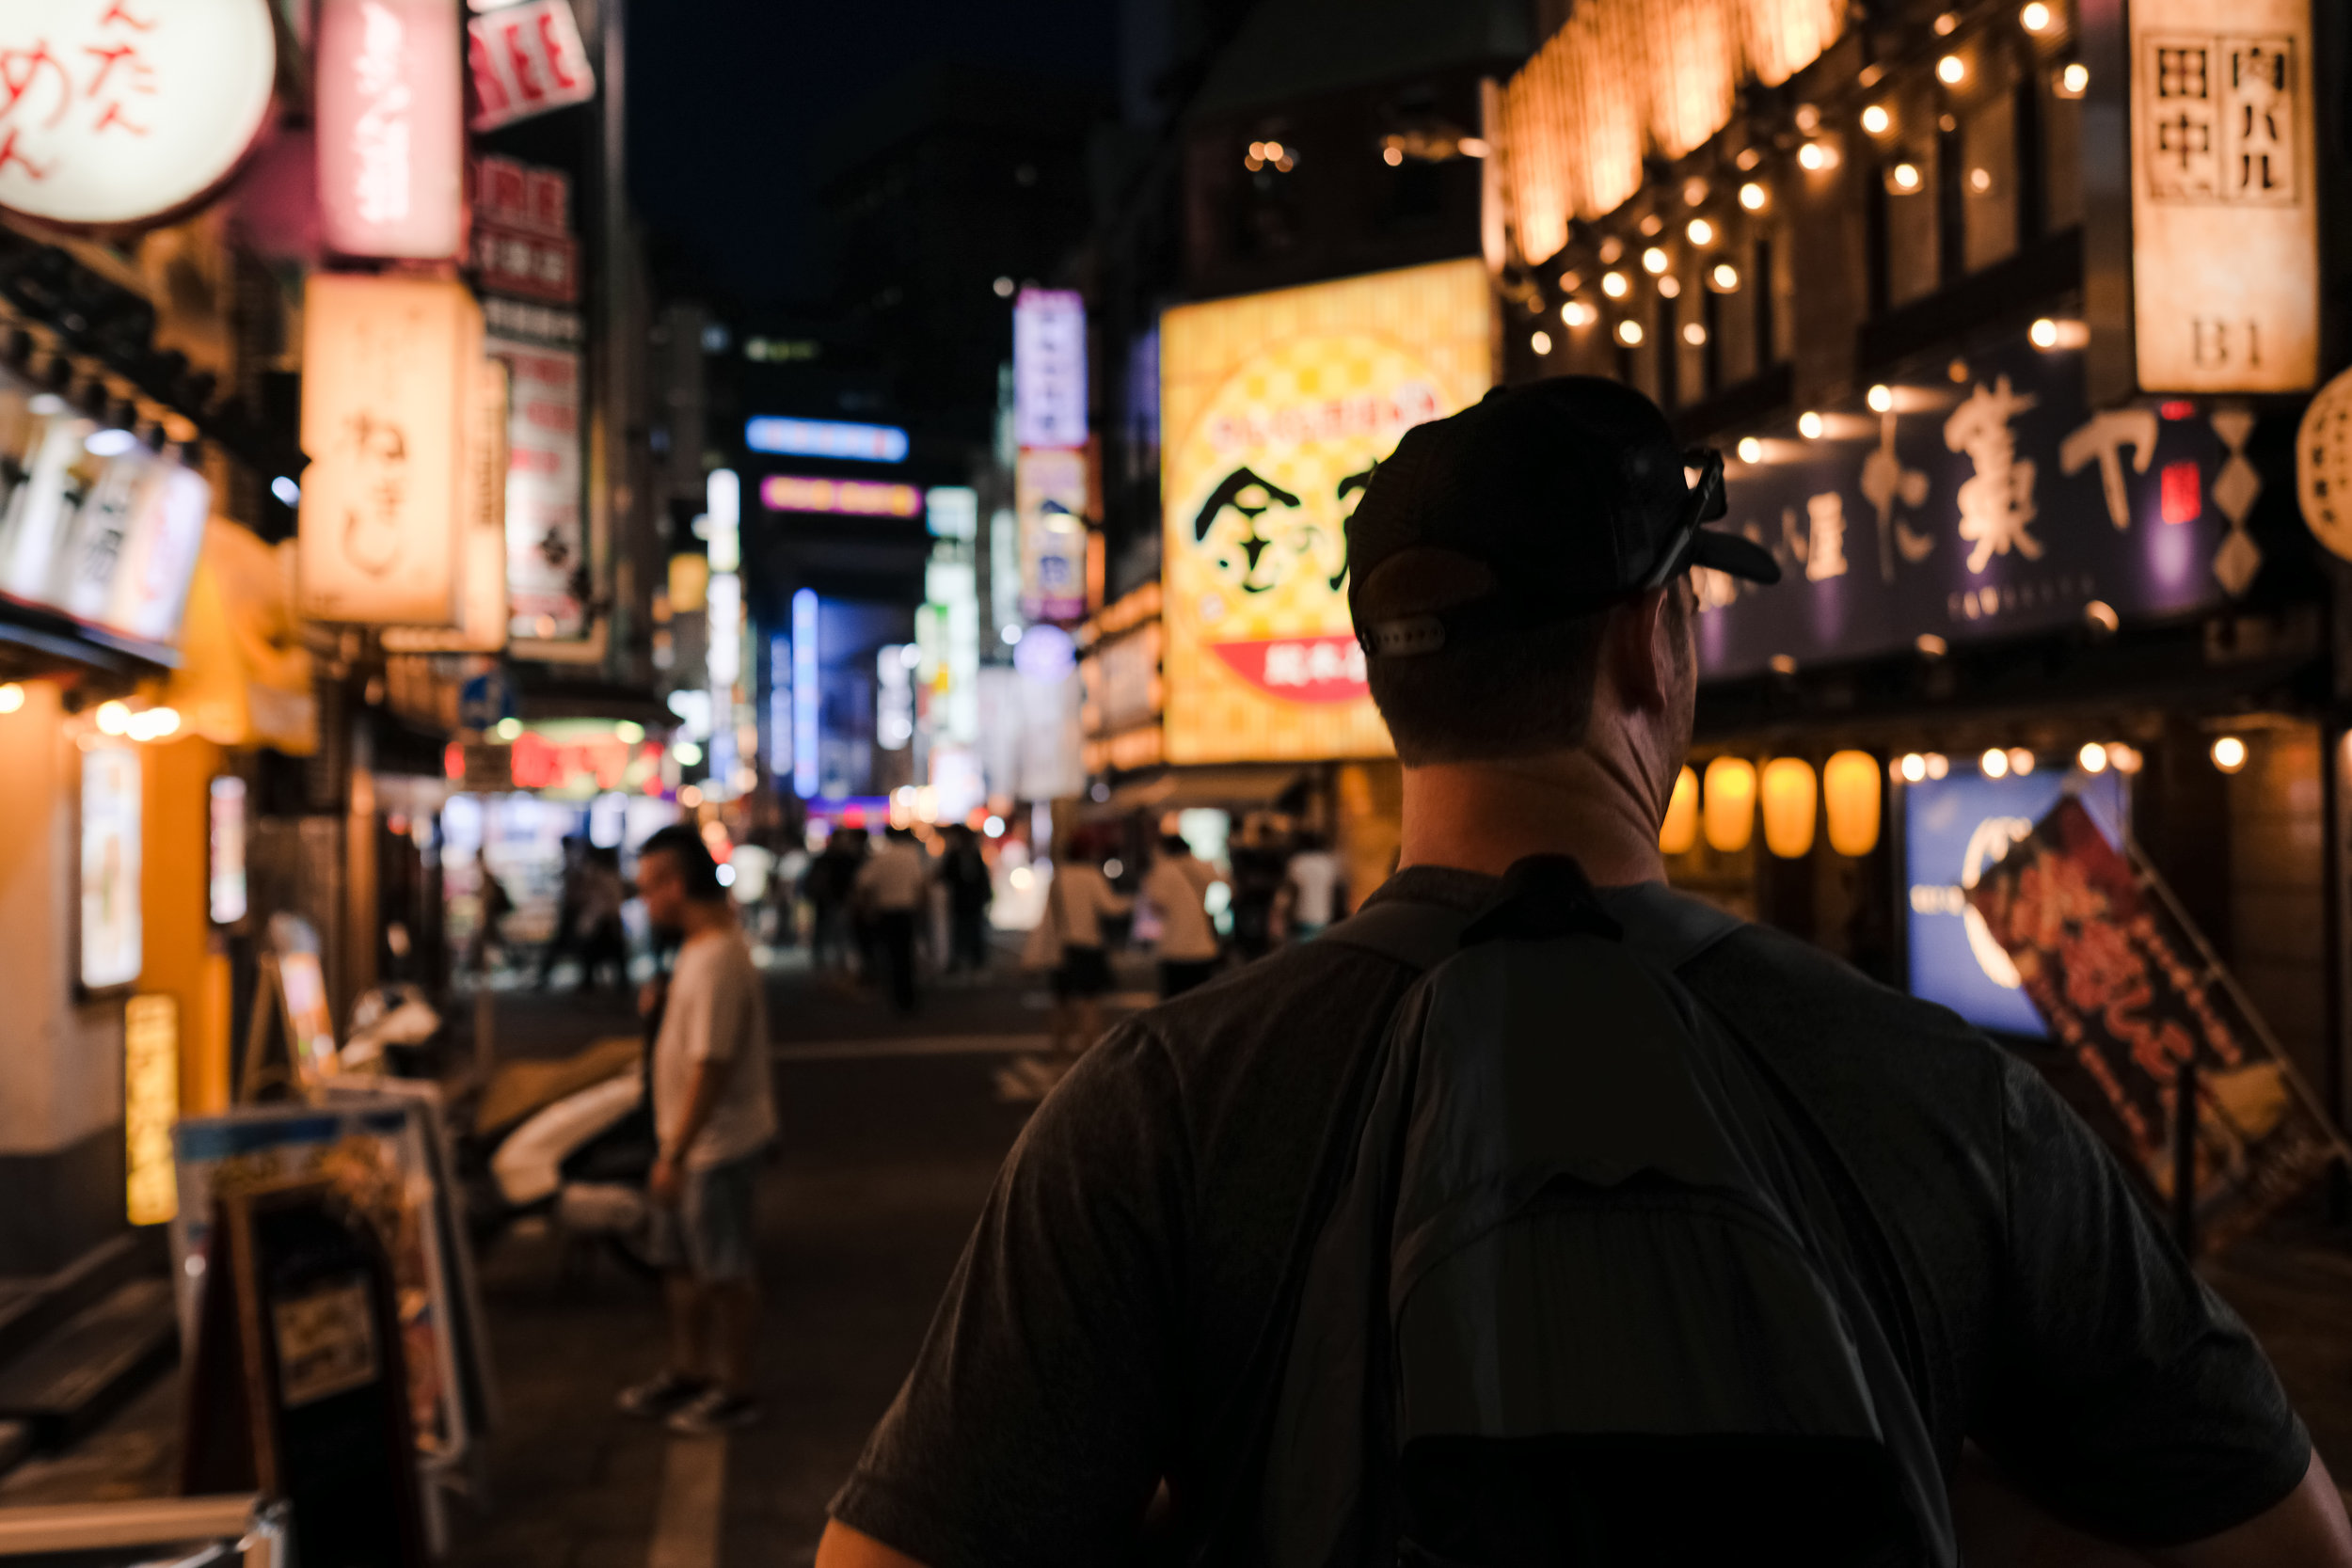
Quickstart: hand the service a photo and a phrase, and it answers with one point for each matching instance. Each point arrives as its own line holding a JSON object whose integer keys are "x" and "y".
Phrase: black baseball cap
{"x": 1572, "y": 491}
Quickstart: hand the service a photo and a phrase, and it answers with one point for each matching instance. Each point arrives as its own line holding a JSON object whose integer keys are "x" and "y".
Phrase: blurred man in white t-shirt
{"x": 715, "y": 1112}
{"x": 1177, "y": 887}
{"x": 1311, "y": 885}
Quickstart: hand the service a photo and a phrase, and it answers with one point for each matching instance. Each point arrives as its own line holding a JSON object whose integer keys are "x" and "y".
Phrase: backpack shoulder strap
{"x": 1667, "y": 927}
{"x": 1405, "y": 931}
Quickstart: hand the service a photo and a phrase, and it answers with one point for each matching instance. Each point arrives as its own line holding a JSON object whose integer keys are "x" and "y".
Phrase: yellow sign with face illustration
{"x": 1275, "y": 408}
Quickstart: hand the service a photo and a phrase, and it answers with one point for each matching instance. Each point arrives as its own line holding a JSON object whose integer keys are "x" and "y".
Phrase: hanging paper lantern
{"x": 1729, "y": 809}
{"x": 1849, "y": 796}
{"x": 1679, "y": 834}
{"x": 1690, "y": 69}
{"x": 1789, "y": 807}
{"x": 1783, "y": 37}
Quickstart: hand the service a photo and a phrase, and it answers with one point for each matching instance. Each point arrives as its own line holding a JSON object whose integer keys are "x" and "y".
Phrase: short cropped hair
{"x": 694, "y": 863}
{"x": 1512, "y": 694}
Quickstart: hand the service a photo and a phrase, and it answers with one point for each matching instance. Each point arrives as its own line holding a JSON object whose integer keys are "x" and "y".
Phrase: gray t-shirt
{"x": 717, "y": 1012}
{"x": 1118, "y": 1314}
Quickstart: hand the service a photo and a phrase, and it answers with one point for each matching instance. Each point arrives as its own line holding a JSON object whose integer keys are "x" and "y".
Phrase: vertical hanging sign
{"x": 391, "y": 145}
{"x": 2225, "y": 210}
{"x": 389, "y": 393}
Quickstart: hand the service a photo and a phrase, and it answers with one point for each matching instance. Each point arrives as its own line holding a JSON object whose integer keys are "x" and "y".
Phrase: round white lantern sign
{"x": 115, "y": 112}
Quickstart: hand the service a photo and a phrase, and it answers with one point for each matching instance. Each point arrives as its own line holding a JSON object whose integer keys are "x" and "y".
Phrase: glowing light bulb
{"x": 1576, "y": 314}
{"x": 1701, "y": 231}
{"x": 12, "y": 697}
{"x": 1904, "y": 178}
{"x": 1751, "y": 449}
{"x": 1615, "y": 285}
{"x": 1876, "y": 120}
{"x": 1951, "y": 70}
{"x": 1995, "y": 763}
{"x": 1670, "y": 287}
{"x": 1881, "y": 399}
{"x": 2020, "y": 761}
{"x": 2044, "y": 333}
{"x": 2035, "y": 17}
{"x": 1753, "y": 196}
{"x": 1809, "y": 425}
{"x": 1540, "y": 342}
{"x": 113, "y": 717}
{"x": 1812, "y": 157}
{"x": 1727, "y": 278}
{"x": 2229, "y": 753}
{"x": 1653, "y": 261}
{"x": 2093, "y": 756}
{"x": 2074, "y": 80}
{"x": 1694, "y": 335}
{"x": 1630, "y": 333}
{"x": 1915, "y": 768}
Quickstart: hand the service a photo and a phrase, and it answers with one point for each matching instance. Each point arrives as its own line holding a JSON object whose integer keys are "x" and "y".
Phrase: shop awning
{"x": 1240, "y": 787}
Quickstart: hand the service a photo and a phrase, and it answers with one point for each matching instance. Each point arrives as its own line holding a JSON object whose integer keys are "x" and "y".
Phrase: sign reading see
{"x": 526, "y": 60}
{"x": 2225, "y": 217}
{"x": 122, "y": 112}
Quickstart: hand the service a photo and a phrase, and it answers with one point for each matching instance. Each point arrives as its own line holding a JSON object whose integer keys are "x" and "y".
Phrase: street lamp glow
{"x": 1753, "y": 196}
{"x": 1630, "y": 333}
{"x": 1615, "y": 285}
{"x": 1995, "y": 763}
{"x": 2093, "y": 757}
{"x": 2229, "y": 753}
{"x": 1951, "y": 70}
{"x": 1751, "y": 449}
{"x": 1876, "y": 120}
{"x": 1809, "y": 425}
{"x": 1701, "y": 231}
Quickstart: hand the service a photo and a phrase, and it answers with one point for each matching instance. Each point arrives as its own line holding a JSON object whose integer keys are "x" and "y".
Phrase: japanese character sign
{"x": 2224, "y": 219}
{"x": 526, "y": 60}
{"x": 1276, "y": 409}
{"x": 1996, "y": 506}
{"x": 388, "y": 406}
{"x": 115, "y": 113}
{"x": 391, "y": 148}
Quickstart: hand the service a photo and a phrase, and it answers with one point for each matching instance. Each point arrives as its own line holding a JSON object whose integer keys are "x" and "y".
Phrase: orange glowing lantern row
{"x": 1725, "y": 812}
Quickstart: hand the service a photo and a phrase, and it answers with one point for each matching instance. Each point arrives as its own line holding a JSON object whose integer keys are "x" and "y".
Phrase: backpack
{"x": 1582, "y": 1295}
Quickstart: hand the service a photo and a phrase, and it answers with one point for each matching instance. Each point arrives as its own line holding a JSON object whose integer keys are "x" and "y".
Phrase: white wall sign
{"x": 2225, "y": 210}
{"x": 545, "y": 548}
{"x": 526, "y": 60}
{"x": 111, "y": 954}
{"x": 482, "y": 618}
{"x": 387, "y": 397}
{"x": 122, "y": 112}
{"x": 390, "y": 131}
{"x": 1049, "y": 368}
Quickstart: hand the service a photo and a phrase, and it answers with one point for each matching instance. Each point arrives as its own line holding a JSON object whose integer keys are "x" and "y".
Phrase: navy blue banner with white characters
{"x": 1984, "y": 499}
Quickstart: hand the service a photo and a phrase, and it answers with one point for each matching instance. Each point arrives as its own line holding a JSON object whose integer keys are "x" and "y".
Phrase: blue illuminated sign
{"x": 862, "y": 443}
{"x": 805, "y": 693}
{"x": 1953, "y": 828}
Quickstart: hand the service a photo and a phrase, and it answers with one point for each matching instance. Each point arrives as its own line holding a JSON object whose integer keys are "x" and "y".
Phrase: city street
{"x": 891, "y": 1134}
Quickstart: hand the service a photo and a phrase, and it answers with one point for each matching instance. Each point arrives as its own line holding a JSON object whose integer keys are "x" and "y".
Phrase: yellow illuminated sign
{"x": 1276, "y": 407}
{"x": 151, "y": 1103}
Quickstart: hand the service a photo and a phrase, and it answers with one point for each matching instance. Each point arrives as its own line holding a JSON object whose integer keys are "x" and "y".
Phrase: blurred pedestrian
{"x": 603, "y": 939}
{"x": 1258, "y": 865}
{"x": 714, "y": 1112}
{"x": 1542, "y": 1214}
{"x": 1312, "y": 888}
{"x": 963, "y": 872}
{"x": 490, "y": 932}
{"x": 831, "y": 936}
{"x": 1177, "y": 887}
{"x": 889, "y": 895}
{"x": 1076, "y": 902}
{"x": 564, "y": 941}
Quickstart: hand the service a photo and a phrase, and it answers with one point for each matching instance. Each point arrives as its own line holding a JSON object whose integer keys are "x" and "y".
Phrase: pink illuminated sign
{"x": 526, "y": 60}
{"x": 392, "y": 144}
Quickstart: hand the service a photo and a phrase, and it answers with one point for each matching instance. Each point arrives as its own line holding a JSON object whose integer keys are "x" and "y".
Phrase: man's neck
{"x": 704, "y": 919}
{"x": 1484, "y": 817}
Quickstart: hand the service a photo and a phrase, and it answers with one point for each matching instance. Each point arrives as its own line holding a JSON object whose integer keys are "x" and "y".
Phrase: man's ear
{"x": 1640, "y": 661}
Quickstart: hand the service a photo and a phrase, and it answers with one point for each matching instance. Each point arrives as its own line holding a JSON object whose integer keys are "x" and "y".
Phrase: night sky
{"x": 727, "y": 96}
